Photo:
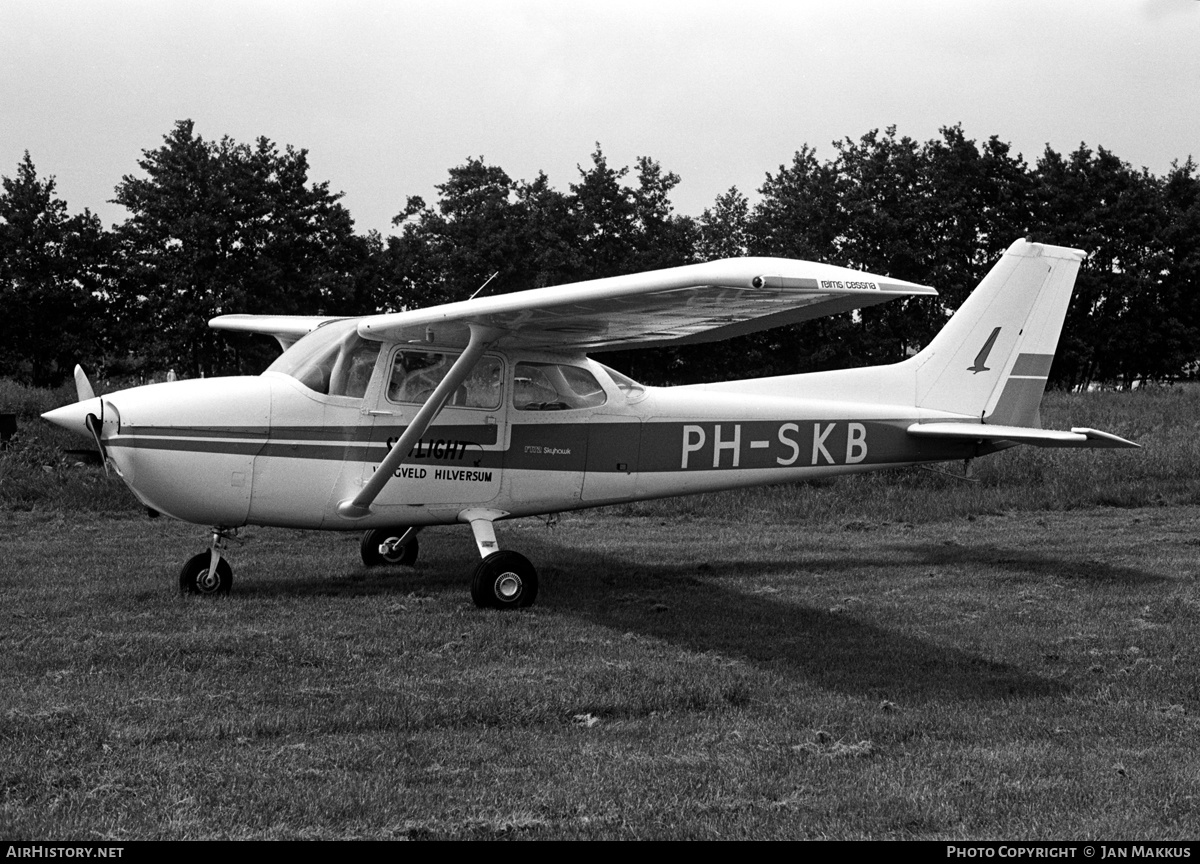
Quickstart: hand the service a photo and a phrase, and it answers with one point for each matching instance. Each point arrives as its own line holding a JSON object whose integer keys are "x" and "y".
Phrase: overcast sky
{"x": 388, "y": 96}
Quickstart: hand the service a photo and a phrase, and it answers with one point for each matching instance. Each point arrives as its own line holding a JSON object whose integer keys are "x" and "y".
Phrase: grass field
{"x": 892, "y": 656}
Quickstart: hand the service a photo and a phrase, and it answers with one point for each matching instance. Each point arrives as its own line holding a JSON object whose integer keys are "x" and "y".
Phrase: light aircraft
{"x": 491, "y": 409}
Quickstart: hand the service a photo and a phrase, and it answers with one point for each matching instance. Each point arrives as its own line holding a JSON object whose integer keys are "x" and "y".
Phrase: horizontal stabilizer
{"x": 1077, "y": 437}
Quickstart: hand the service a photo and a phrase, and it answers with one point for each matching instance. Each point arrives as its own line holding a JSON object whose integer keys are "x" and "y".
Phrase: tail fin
{"x": 993, "y": 357}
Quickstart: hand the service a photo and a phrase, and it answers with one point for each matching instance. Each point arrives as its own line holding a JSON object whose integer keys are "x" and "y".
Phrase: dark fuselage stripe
{"x": 600, "y": 447}
{"x": 320, "y": 434}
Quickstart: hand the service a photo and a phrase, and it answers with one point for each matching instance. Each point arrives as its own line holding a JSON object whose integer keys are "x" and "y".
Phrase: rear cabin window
{"x": 555, "y": 387}
{"x": 415, "y": 374}
{"x": 633, "y": 390}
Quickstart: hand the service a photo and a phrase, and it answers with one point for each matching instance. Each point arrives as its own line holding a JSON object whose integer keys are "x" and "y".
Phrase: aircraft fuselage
{"x": 267, "y": 450}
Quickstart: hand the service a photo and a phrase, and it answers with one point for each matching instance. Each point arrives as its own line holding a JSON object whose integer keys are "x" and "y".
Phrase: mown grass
{"x": 1011, "y": 676}
{"x": 889, "y": 656}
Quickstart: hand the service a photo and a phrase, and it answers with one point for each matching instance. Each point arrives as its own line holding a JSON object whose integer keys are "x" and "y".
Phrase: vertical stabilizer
{"x": 993, "y": 357}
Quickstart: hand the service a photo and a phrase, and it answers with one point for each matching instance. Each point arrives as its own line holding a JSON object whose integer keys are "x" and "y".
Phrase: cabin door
{"x": 458, "y": 460}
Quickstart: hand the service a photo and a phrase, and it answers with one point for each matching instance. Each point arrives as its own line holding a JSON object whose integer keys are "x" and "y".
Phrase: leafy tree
{"x": 52, "y": 277}
{"x": 374, "y": 290}
{"x": 220, "y": 227}
{"x": 938, "y": 213}
{"x": 624, "y": 228}
{"x": 1178, "y": 312}
{"x": 605, "y": 219}
{"x": 724, "y": 228}
{"x": 886, "y": 209}
{"x": 797, "y": 217}
{"x": 447, "y": 253}
{"x": 981, "y": 200}
{"x": 530, "y": 235}
{"x": 1155, "y": 334}
{"x": 549, "y": 236}
{"x": 800, "y": 215}
{"x": 484, "y": 226}
{"x": 661, "y": 238}
{"x": 1095, "y": 201}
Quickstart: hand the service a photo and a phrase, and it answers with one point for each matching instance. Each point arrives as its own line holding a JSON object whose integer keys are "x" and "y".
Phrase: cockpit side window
{"x": 353, "y": 367}
{"x": 555, "y": 387}
{"x": 415, "y": 374}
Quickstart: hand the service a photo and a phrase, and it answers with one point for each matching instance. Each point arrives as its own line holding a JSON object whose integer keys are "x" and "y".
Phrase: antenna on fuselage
{"x": 484, "y": 285}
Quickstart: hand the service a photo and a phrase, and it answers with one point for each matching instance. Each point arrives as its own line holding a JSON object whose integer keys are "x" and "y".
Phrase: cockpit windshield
{"x": 333, "y": 360}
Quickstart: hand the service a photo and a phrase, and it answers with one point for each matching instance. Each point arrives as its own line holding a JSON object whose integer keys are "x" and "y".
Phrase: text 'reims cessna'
{"x": 491, "y": 409}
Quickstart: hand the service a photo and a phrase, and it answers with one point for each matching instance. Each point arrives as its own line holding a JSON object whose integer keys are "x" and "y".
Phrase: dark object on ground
{"x": 8, "y": 428}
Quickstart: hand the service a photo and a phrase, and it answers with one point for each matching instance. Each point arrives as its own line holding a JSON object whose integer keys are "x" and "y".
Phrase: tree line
{"x": 218, "y": 226}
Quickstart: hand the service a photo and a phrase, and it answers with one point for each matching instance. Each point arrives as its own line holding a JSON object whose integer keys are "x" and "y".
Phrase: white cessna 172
{"x": 490, "y": 409}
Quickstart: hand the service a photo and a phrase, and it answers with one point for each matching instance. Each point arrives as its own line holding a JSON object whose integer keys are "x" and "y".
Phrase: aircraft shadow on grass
{"x": 696, "y": 607}
{"x": 830, "y": 647}
{"x": 1024, "y": 562}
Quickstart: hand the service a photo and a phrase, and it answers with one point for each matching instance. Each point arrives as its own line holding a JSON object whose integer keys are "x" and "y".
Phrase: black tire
{"x": 504, "y": 580}
{"x": 376, "y": 537}
{"x": 194, "y": 579}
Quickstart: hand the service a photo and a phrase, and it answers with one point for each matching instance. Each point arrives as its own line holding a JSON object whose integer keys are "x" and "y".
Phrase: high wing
{"x": 694, "y": 303}
{"x": 286, "y": 329}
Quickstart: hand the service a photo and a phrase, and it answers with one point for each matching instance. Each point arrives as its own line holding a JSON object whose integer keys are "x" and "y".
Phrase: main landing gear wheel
{"x": 195, "y": 578}
{"x": 504, "y": 580}
{"x": 376, "y": 537}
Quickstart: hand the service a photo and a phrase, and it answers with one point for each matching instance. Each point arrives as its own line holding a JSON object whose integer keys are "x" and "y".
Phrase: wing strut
{"x": 360, "y": 504}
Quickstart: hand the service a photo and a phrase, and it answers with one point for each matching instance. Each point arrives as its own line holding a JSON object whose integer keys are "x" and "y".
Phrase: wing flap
{"x": 1080, "y": 437}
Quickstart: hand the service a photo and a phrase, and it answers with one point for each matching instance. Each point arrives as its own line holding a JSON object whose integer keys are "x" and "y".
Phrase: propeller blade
{"x": 83, "y": 387}
{"x": 94, "y": 426}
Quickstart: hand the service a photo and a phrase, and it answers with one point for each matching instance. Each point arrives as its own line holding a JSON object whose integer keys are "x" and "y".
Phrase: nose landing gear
{"x": 208, "y": 573}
